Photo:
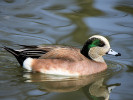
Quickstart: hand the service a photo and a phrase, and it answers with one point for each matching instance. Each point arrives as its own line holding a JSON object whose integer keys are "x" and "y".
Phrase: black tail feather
{"x": 17, "y": 54}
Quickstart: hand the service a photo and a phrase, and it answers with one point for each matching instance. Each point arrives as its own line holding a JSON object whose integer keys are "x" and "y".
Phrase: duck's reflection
{"x": 51, "y": 83}
{"x": 93, "y": 86}
{"x": 98, "y": 90}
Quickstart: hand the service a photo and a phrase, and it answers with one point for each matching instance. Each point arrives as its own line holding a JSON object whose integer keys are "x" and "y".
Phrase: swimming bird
{"x": 65, "y": 60}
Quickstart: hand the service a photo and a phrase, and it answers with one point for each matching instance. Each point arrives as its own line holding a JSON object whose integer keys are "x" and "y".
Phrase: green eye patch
{"x": 94, "y": 43}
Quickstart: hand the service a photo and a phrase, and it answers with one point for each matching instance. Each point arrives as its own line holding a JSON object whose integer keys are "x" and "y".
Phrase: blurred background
{"x": 65, "y": 22}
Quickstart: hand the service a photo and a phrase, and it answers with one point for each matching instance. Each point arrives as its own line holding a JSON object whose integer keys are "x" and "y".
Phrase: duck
{"x": 65, "y": 60}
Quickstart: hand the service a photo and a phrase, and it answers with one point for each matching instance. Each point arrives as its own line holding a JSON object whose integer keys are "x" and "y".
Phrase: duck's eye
{"x": 101, "y": 44}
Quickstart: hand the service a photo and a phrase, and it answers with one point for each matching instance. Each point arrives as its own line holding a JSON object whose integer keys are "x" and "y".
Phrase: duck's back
{"x": 69, "y": 54}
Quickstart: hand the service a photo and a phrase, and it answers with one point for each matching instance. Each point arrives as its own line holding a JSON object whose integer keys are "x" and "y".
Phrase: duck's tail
{"x": 20, "y": 58}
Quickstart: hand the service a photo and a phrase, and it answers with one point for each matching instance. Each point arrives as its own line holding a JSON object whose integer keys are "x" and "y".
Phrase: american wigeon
{"x": 64, "y": 60}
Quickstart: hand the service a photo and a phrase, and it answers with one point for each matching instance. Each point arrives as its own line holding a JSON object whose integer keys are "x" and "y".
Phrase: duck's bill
{"x": 112, "y": 52}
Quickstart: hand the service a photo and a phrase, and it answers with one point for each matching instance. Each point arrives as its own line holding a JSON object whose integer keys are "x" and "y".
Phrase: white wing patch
{"x": 27, "y": 64}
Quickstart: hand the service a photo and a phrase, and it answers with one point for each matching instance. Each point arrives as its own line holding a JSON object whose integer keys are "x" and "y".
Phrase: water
{"x": 66, "y": 22}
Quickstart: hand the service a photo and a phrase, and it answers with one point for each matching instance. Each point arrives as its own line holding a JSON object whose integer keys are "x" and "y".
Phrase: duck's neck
{"x": 99, "y": 59}
{"x": 84, "y": 52}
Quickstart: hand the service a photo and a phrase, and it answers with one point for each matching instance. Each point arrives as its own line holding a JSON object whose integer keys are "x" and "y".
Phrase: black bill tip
{"x": 118, "y": 54}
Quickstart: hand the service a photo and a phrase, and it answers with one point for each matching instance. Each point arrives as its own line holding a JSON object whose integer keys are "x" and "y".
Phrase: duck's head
{"x": 96, "y": 47}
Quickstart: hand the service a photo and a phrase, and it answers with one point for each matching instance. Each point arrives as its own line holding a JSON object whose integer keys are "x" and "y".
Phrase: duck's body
{"x": 64, "y": 60}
